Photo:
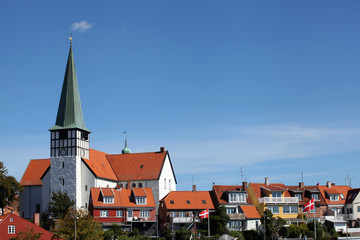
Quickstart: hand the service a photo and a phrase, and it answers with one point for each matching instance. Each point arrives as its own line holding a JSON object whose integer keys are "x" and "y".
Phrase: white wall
{"x": 166, "y": 175}
{"x": 251, "y": 224}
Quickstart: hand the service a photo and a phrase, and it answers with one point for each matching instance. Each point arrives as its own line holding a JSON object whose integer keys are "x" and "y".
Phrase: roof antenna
{"x": 302, "y": 177}
{"x": 70, "y": 38}
{"x": 126, "y": 149}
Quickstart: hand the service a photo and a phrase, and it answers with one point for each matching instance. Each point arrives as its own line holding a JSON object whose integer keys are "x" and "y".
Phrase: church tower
{"x": 69, "y": 138}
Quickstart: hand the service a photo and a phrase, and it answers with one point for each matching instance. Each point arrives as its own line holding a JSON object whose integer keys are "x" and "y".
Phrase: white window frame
{"x": 130, "y": 213}
{"x": 292, "y": 209}
{"x": 119, "y": 213}
{"x": 11, "y": 229}
{"x": 141, "y": 200}
{"x": 271, "y": 208}
{"x": 104, "y": 213}
{"x": 276, "y": 193}
{"x": 230, "y": 210}
{"x": 298, "y": 195}
{"x": 108, "y": 200}
{"x": 237, "y": 197}
{"x": 315, "y": 196}
{"x": 334, "y": 197}
{"x": 144, "y": 213}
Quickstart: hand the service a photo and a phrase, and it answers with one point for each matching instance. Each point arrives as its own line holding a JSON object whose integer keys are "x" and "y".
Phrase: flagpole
{"x": 314, "y": 224}
{"x": 209, "y": 224}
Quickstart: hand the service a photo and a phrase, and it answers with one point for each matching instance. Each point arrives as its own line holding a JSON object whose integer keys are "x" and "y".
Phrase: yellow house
{"x": 276, "y": 198}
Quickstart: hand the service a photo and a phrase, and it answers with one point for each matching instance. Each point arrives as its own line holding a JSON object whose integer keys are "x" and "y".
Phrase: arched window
{"x": 169, "y": 184}
{"x": 133, "y": 185}
{"x": 140, "y": 184}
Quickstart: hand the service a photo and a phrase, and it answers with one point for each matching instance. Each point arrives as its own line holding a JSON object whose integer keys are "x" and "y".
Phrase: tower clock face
{"x": 63, "y": 151}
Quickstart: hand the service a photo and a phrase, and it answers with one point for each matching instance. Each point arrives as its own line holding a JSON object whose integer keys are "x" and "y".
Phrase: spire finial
{"x": 126, "y": 149}
{"x": 70, "y": 38}
{"x": 124, "y": 132}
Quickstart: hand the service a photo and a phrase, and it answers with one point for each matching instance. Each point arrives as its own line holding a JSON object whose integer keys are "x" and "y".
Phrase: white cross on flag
{"x": 204, "y": 214}
{"x": 309, "y": 206}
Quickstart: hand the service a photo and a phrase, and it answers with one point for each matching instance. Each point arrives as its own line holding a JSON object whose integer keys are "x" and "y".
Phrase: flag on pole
{"x": 204, "y": 214}
{"x": 309, "y": 206}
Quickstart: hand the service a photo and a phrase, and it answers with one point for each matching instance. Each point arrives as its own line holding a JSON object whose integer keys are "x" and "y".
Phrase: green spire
{"x": 126, "y": 149}
{"x": 69, "y": 114}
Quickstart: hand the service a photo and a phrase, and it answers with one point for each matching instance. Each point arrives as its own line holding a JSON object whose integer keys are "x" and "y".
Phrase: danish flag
{"x": 204, "y": 214}
{"x": 309, "y": 206}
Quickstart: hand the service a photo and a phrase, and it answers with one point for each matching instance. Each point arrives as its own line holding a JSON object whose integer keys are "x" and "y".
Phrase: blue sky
{"x": 271, "y": 87}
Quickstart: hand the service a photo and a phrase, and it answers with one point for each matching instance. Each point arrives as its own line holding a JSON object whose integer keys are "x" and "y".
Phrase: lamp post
{"x": 76, "y": 218}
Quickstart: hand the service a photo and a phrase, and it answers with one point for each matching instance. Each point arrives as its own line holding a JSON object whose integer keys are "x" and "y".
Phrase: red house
{"x": 129, "y": 208}
{"x": 11, "y": 224}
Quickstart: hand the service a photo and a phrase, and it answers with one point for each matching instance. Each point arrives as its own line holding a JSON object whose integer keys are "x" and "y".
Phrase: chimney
{"x": 244, "y": 186}
{"x": 328, "y": 184}
{"x": 301, "y": 184}
{"x": 194, "y": 188}
{"x": 37, "y": 219}
{"x": 128, "y": 185}
{"x": 162, "y": 149}
{"x": 267, "y": 181}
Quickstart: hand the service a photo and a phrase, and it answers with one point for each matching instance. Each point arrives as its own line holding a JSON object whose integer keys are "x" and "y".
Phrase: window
{"x": 358, "y": 208}
{"x": 313, "y": 210}
{"x": 144, "y": 213}
{"x": 237, "y": 197}
{"x": 273, "y": 209}
{"x": 141, "y": 200}
{"x": 204, "y": 201}
{"x": 173, "y": 214}
{"x": 11, "y": 219}
{"x": 108, "y": 200}
{"x": 171, "y": 201}
{"x": 188, "y": 201}
{"x": 349, "y": 211}
{"x": 140, "y": 184}
{"x": 181, "y": 214}
{"x": 170, "y": 184}
{"x": 134, "y": 185}
{"x": 290, "y": 209}
{"x": 315, "y": 196}
{"x": 11, "y": 229}
{"x": 119, "y": 213}
{"x": 104, "y": 213}
{"x": 230, "y": 210}
{"x": 276, "y": 194}
{"x": 130, "y": 213}
{"x": 298, "y": 195}
{"x": 334, "y": 197}
{"x": 342, "y": 196}
{"x": 164, "y": 183}
{"x": 85, "y": 187}
{"x": 63, "y": 165}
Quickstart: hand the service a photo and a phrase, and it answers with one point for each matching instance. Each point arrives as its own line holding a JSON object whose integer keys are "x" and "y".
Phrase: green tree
{"x": 86, "y": 227}
{"x": 59, "y": 204}
{"x": 272, "y": 225}
{"x": 28, "y": 234}
{"x": 9, "y": 187}
{"x": 182, "y": 234}
{"x": 218, "y": 222}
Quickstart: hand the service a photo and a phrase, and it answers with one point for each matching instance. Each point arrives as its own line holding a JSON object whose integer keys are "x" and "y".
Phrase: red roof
{"x": 137, "y": 166}
{"x": 139, "y": 192}
{"x": 271, "y": 186}
{"x": 340, "y": 190}
{"x": 20, "y": 225}
{"x": 99, "y": 165}
{"x": 189, "y": 200}
{"x": 107, "y": 192}
{"x": 306, "y": 192}
{"x": 250, "y": 211}
{"x": 34, "y": 172}
{"x": 122, "y": 199}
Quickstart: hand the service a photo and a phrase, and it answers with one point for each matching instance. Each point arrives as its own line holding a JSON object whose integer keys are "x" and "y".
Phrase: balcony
{"x": 181, "y": 219}
{"x": 237, "y": 216}
{"x": 279, "y": 200}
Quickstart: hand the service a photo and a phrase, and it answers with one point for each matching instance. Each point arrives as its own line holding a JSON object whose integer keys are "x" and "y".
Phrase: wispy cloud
{"x": 81, "y": 26}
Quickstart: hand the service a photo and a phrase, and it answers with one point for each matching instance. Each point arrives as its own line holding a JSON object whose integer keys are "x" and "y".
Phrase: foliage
{"x": 28, "y": 234}
{"x": 166, "y": 233}
{"x": 114, "y": 232}
{"x": 251, "y": 235}
{"x": 45, "y": 221}
{"x": 237, "y": 234}
{"x": 9, "y": 187}
{"x": 59, "y": 204}
{"x": 218, "y": 222}
{"x": 322, "y": 232}
{"x": 272, "y": 225}
{"x": 86, "y": 227}
{"x": 182, "y": 234}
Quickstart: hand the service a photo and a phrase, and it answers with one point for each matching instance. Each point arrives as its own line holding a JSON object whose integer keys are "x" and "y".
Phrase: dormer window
{"x": 237, "y": 197}
{"x": 334, "y": 197}
{"x": 108, "y": 200}
{"x": 276, "y": 194}
{"x": 315, "y": 196}
{"x": 141, "y": 200}
{"x": 298, "y": 195}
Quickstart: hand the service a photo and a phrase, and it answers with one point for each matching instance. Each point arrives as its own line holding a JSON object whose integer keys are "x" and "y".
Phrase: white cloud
{"x": 81, "y": 26}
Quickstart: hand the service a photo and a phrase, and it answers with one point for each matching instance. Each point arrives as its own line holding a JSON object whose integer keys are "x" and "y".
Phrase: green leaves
{"x": 9, "y": 187}
{"x": 59, "y": 204}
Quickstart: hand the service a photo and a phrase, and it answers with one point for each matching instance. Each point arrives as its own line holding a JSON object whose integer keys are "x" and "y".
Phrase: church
{"x": 75, "y": 168}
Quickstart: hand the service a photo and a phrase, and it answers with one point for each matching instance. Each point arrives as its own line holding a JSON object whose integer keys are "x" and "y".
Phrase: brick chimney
{"x": 37, "y": 219}
{"x": 194, "y": 188}
{"x": 162, "y": 149}
{"x": 244, "y": 185}
{"x": 328, "y": 184}
{"x": 301, "y": 184}
{"x": 267, "y": 181}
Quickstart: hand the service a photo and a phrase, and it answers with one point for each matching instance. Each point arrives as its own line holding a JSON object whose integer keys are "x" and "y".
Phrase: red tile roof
{"x": 250, "y": 211}
{"x": 306, "y": 194}
{"x": 107, "y": 192}
{"x": 275, "y": 186}
{"x": 189, "y": 200}
{"x": 34, "y": 172}
{"x": 137, "y": 166}
{"x": 139, "y": 192}
{"x": 339, "y": 189}
{"x": 99, "y": 165}
{"x": 20, "y": 225}
{"x": 122, "y": 199}
{"x": 220, "y": 192}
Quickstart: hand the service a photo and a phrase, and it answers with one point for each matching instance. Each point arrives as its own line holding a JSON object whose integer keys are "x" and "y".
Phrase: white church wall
{"x": 88, "y": 181}
{"x": 167, "y": 179}
{"x": 105, "y": 183}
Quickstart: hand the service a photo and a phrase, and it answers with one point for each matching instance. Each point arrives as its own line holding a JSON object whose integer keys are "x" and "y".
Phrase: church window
{"x": 37, "y": 208}
{"x": 170, "y": 184}
{"x": 62, "y": 135}
{"x": 63, "y": 181}
{"x": 84, "y": 136}
{"x": 63, "y": 165}
{"x": 164, "y": 183}
{"x": 73, "y": 134}
{"x": 57, "y": 135}
{"x": 134, "y": 185}
{"x": 140, "y": 184}
{"x": 188, "y": 201}
{"x": 85, "y": 187}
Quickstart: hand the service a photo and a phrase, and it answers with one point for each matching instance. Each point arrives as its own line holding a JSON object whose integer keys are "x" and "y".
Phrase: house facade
{"x": 127, "y": 207}
{"x": 352, "y": 207}
{"x": 242, "y": 213}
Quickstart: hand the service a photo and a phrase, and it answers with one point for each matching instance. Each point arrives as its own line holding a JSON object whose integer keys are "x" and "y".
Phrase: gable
{"x": 99, "y": 165}
{"x": 34, "y": 172}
